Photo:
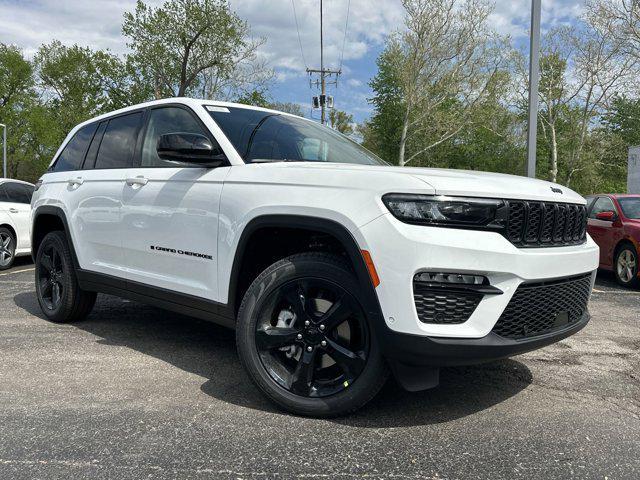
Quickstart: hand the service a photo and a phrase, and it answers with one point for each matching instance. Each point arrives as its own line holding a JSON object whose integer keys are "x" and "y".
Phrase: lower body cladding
{"x": 500, "y": 301}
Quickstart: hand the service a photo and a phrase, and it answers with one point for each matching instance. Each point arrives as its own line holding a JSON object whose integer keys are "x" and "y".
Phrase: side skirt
{"x": 190, "y": 305}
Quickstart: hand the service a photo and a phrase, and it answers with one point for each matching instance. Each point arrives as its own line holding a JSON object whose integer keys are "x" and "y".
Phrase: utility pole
{"x": 534, "y": 79}
{"x": 323, "y": 72}
{"x": 4, "y": 149}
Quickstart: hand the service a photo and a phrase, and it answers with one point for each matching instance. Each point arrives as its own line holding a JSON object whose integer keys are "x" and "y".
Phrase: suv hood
{"x": 448, "y": 181}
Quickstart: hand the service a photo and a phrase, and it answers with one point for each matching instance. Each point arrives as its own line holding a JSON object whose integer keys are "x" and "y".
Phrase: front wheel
{"x": 626, "y": 266}
{"x": 304, "y": 338}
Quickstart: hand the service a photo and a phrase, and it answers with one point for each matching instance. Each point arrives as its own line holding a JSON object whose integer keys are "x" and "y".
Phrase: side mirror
{"x": 189, "y": 148}
{"x": 606, "y": 216}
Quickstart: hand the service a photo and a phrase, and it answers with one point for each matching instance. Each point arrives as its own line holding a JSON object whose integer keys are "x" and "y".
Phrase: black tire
{"x": 55, "y": 272}
{"x": 7, "y": 248}
{"x": 347, "y": 369}
{"x": 625, "y": 266}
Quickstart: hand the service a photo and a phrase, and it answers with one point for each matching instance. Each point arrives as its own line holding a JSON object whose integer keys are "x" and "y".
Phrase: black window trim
{"x": 137, "y": 159}
{"x": 101, "y": 123}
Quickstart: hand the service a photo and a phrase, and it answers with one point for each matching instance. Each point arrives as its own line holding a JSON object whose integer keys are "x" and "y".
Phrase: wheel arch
{"x": 47, "y": 218}
{"x": 9, "y": 227}
{"x": 307, "y": 224}
{"x": 621, "y": 243}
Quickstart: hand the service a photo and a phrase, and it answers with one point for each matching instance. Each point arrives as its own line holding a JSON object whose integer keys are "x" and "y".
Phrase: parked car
{"x": 614, "y": 224}
{"x": 332, "y": 266}
{"x": 15, "y": 200}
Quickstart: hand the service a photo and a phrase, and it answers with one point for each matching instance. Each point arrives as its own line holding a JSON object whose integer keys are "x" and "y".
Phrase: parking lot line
{"x": 17, "y": 271}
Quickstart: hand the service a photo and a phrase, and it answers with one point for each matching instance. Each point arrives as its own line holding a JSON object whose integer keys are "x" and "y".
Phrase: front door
{"x": 170, "y": 213}
{"x": 603, "y": 231}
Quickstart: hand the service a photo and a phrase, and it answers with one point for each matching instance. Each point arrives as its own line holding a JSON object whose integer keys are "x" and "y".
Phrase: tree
{"x": 193, "y": 47}
{"x": 381, "y": 134}
{"x": 446, "y": 63}
{"x": 17, "y": 97}
{"x": 341, "y": 121}
{"x": 16, "y": 76}
{"x": 289, "y": 107}
{"x": 79, "y": 83}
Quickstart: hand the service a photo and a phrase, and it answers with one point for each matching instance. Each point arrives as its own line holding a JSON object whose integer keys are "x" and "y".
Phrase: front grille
{"x": 546, "y": 224}
{"x": 539, "y": 308}
{"x": 444, "y": 306}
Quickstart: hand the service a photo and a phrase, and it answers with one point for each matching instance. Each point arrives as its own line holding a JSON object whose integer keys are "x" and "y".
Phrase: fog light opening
{"x": 451, "y": 278}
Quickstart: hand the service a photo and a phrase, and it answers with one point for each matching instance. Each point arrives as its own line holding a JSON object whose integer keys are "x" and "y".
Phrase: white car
{"x": 333, "y": 267}
{"x": 15, "y": 220}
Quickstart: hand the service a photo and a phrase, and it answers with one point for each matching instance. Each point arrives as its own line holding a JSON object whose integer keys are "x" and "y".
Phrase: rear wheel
{"x": 59, "y": 296}
{"x": 304, "y": 338}
{"x": 626, "y": 266}
{"x": 7, "y": 248}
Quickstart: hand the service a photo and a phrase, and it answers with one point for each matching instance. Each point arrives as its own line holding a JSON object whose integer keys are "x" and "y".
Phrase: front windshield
{"x": 260, "y": 136}
{"x": 630, "y": 207}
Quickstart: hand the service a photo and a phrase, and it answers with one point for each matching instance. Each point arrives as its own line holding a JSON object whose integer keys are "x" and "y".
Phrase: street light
{"x": 4, "y": 150}
{"x": 534, "y": 78}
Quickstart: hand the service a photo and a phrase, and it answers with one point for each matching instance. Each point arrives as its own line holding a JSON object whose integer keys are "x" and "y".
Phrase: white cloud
{"x": 97, "y": 23}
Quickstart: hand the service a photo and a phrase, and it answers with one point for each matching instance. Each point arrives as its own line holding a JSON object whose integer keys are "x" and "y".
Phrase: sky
{"x": 97, "y": 23}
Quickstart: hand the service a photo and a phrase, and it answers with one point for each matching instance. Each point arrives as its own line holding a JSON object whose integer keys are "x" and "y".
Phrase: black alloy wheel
{"x": 50, "y": 277}
{"x": 305, "y": 340}
{"x": 312, "y": 337}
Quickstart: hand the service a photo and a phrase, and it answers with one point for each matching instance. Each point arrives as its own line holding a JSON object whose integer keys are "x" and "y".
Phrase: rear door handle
{"x": 75, "y": 181}
{"x": 139, "y": 181}
{"x": 13, "y": 210}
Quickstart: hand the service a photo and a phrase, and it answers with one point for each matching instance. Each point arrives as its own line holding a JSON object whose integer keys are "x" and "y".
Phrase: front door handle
{"x": 139, "y": 181}
{"x": 13, "y": 210}
{"x": 73, "y": 182}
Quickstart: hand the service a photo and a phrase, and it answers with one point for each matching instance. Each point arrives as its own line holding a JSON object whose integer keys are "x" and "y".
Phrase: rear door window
{"x": 16, "y": 193}
{"x": 118, "y": 142}
{"x": 73, "y": 154}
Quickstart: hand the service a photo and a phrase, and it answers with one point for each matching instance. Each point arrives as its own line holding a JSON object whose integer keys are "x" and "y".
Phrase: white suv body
{"x": 15, "y": 220}
{"x": 193, "y": 238}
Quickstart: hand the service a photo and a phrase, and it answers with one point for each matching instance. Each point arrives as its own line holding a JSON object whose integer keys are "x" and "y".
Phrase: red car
{"x": 614, "y": 224}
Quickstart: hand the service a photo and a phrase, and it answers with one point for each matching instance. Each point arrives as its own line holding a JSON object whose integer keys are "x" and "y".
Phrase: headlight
{"x": 447, "y": 211}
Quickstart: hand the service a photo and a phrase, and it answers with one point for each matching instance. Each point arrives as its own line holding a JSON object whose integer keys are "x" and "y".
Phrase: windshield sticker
{"x": 213, "y": 108}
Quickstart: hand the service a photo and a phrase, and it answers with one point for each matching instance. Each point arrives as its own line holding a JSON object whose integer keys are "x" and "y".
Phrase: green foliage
{"x": 341, "y": 121}
{"x": 174, "y": 45}
{"x": 381, "y": 134}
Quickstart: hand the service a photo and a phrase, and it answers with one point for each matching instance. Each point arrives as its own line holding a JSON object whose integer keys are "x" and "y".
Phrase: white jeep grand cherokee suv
{"x": 333, "y": 267}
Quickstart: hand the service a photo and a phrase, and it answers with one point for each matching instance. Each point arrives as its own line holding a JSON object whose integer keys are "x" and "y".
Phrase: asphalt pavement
{"x": 137, "y": 392}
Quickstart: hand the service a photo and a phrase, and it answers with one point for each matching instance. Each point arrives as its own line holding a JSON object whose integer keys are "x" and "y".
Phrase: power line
{"x": 295, "y": 16}
{"x": 344, "y": 39}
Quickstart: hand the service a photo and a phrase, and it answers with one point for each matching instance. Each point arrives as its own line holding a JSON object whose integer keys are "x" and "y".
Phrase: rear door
{"x": 170, "y": 212}
{"x": 92, "y": 169}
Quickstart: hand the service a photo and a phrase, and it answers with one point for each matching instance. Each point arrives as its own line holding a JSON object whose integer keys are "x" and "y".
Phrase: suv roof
{"x": 614, "y": 195}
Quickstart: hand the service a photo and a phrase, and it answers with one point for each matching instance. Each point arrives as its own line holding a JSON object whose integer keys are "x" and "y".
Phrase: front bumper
{"x": 400, "y": 250}
{"x": 418, "y": 350}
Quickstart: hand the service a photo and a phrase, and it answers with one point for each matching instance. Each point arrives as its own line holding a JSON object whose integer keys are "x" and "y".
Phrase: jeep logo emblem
{"x": 556, "y": 190}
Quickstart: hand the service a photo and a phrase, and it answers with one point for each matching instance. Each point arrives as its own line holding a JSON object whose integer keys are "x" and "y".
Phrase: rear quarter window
{"x": 72, "y": 156}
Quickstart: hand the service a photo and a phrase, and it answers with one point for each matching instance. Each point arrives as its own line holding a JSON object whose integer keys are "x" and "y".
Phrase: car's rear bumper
{"x": 417, "y": 350}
